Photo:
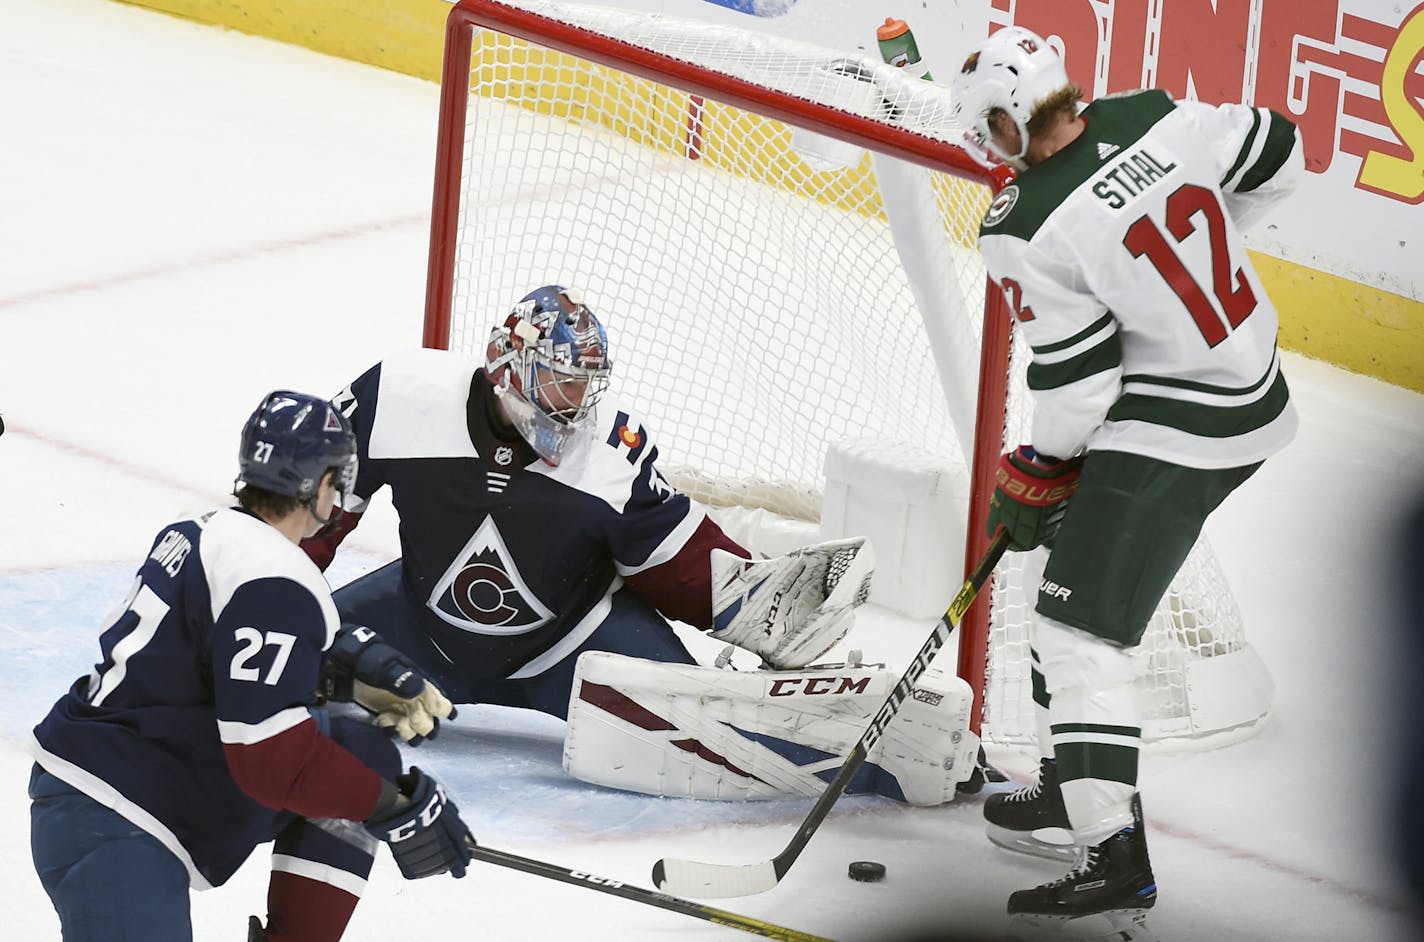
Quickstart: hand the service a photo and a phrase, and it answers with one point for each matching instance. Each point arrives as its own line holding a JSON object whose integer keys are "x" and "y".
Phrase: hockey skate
{"x": 1032, "y": 820}
{"x": 1104, "y": 899}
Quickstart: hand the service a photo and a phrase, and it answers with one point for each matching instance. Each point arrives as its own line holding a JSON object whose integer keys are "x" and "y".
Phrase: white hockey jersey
{"x": 1122, "y": 259}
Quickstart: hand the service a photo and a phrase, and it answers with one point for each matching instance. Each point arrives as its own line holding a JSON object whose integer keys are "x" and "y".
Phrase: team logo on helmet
{"x": 970, "y": 64}
{"x": 588, "y": 341}
{"x": 291, "y": 441}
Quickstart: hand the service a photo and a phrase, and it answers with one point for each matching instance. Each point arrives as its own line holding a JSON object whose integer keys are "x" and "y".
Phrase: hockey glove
{"x": 1031, "y": 496}
{"x": 790, "y": 609}
{"x": 423, "y": 828}
{"x": 361, "y": 667}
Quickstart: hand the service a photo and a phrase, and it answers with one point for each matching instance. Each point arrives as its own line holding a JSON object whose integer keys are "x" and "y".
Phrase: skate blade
{"x": 1029, "y": 842}
{"x": 1118, "y": 925}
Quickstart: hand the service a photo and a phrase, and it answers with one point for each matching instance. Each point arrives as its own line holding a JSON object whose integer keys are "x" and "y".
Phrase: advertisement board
{"x": 1350, "y": 73}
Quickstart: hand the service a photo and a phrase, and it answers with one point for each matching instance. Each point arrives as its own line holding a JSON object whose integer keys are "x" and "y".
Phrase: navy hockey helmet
{"x": 291, "y": 441}
{"x": 549, "y": 364}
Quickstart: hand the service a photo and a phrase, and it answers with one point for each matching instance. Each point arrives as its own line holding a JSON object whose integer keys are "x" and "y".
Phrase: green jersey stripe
{"x": 1085, "y": 760}
{"x": 1079, "y": 337}
{"x": 1207, "y": 421}
{"x": 1094, "y": 360}
{"x": 1108, "y": 728}
{"x": 1148, "y": 379}
{"x": 1280, "y": 140}
{"x": 1038, "y": 685}
{"x": 1245, "y": 149}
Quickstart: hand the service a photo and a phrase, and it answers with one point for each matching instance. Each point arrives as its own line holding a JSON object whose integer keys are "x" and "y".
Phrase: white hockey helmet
{"x": 549, "y": 364}
{"x": 1015, "y": 70}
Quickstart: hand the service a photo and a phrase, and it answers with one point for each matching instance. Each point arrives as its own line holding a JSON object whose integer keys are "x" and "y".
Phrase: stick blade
{"x": 711, "y": 880}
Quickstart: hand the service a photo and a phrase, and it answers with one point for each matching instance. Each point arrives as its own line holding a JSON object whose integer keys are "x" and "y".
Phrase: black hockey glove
{"x": 423, "y": 828}
{"x": 1031, "y": 496}
{"x": 360, "y": 667}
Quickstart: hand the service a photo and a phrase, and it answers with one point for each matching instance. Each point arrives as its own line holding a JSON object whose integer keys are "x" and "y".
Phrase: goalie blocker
{"x": 698, "y": 732}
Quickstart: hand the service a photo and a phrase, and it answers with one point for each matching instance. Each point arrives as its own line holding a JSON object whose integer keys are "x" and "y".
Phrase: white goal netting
{"x": 767, "y": 290}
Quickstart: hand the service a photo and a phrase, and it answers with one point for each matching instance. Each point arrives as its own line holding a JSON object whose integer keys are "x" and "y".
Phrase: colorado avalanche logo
{"x": 482, "y": 591}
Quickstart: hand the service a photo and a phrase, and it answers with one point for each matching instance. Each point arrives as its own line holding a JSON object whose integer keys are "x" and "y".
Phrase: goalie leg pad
{"x": 698, "y": 732}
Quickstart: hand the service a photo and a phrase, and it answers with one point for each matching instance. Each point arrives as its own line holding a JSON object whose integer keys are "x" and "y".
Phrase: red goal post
{"x": 759, "y": 119}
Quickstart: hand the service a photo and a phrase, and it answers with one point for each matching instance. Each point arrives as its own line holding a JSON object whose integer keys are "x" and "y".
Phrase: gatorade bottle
{"x": 897, "y": 47}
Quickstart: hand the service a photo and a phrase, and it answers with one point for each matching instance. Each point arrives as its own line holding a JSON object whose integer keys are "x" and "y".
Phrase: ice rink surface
{"x": 190, "y": 217}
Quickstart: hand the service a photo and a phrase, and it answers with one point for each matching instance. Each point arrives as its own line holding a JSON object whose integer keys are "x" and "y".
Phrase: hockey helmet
{"x": 549, "y": 365}
{"x": 1014, "y": 70}
{"x": 291, "y": 441}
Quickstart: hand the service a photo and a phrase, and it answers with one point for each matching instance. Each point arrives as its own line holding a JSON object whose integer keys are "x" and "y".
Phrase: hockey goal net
{"x": 781, "y": 239}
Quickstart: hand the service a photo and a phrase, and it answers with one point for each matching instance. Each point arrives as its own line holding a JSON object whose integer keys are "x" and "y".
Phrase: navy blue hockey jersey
{"x": 513, "y": 561}
{"x": 195, "y": 725}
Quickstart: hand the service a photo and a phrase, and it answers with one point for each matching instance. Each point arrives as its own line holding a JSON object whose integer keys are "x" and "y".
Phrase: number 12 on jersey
{"x": 1232, "y": 290}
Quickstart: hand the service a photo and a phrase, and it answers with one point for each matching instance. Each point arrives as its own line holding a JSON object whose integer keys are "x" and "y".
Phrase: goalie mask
{"x": 290, "y": 442}
{"x": 1013, "y": 70}
{"x": 549, "y": 365}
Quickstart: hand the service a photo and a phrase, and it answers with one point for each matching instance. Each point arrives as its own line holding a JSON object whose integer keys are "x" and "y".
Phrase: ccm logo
{"x": 791, "y": 686}
{"x": 769, "y": 621}
{"x": 425, "y": 819}
{"x": 1054, "y": 591}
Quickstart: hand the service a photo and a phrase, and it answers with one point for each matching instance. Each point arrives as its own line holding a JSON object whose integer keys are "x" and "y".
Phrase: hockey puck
{"x": 866, "y": 871}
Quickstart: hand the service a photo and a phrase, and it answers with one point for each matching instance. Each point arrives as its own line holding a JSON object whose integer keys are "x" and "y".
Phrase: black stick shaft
{"x": 947, "y": 623}
{"x": 640, "y": 895}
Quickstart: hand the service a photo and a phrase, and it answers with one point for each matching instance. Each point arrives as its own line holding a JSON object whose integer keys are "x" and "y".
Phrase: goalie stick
{"x": 639, "y": 895}
{"x": 716, "y": 881}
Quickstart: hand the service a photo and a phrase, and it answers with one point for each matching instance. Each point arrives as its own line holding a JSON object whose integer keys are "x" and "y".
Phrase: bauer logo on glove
{"x": 1032, "y": 496}
{"x": 1034, "y": 493}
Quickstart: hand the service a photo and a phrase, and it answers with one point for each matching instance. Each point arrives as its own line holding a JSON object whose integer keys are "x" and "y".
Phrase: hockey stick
{"x": 715, "y": 881}
{"x": 639, "y": 895}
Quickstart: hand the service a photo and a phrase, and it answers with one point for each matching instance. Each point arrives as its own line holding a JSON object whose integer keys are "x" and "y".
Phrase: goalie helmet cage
{"x": 762, "y": 223}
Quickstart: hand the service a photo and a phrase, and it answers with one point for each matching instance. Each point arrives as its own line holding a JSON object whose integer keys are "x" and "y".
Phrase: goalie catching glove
{"x": 422, "y": 827}
{"x": 790, "y": 609}
{"x": 360, "y": 667}
{"x": 1031, "y": 496}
